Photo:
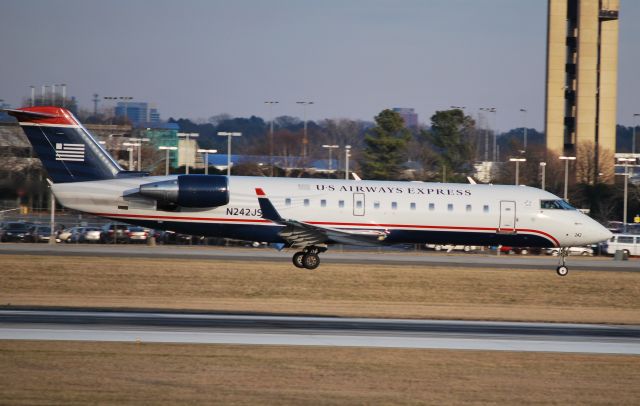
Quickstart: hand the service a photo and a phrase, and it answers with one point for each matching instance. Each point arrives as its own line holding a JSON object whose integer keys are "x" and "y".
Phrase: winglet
{"x": 268, "y": 211}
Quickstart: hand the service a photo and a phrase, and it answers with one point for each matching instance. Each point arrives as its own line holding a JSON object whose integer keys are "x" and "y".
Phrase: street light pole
{"x": 633, "y": 140}
{"x": 166, "y": 159}
{"x": 139, "y": 141}
{"x": 229, "y": 135}
{"x": 517, "y": 161}
{"x": 495, "y": 133}
{"x": 125, "y": 100}
{"x": 330, "y": 148}
{"x": 52, "y": 220}
{"x": 524, "y": 130}
{"x": 305, "y": 139}
{"x": 566, "y": 160}
{"x": 486, "y": 133}
{"x": 543, "y": 166}
{"x": 131, "y": 145}
{"x": 626, "y": 190}
{"x": 347, "y": 155}
{"x": 206, "y": 158}
{"x": 271, "y": 103}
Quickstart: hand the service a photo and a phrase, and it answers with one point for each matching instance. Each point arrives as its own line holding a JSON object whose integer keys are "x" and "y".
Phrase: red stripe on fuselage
{"x": 324, "y": 223}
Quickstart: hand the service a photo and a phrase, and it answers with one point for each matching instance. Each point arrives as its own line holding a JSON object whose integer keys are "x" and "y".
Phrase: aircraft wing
{"x": 302, "y": 234}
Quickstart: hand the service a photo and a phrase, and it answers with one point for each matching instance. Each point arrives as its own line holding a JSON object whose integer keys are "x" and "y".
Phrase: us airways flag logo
{"x": 69, "y": 152}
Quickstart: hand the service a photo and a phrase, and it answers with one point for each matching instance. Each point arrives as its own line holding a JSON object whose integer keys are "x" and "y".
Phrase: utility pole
{"x": 271, "y": 103}
{"x": 305, "y": 139}
{"x": 229, "y": 135}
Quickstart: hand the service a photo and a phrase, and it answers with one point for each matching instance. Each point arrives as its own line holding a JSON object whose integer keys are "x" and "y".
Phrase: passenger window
{"x": 341, "y": 204}
{"x": 394, "y": 205}
{"x": 376, "y": 205}
{"x": 625, "y": 239}
{"x": 306, "y": 202}
{"x": 450, "y": 207}
{"x": 323, "y": 203}
{"x": 432, "y": 206}
{"x": 287, "y": 201}
{"x": 485, "y": 208}
{"x": 413, "y": 206}
{"x": 468, "y": 207}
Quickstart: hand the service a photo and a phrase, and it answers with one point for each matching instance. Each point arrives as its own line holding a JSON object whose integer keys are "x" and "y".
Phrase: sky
{"x": 352, "y": 58}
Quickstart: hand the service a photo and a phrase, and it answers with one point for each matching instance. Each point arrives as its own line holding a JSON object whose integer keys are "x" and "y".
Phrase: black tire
{"x": 297, "y": 259}
{"x": 310, "y": 260}
{"x": 562, "y": 270}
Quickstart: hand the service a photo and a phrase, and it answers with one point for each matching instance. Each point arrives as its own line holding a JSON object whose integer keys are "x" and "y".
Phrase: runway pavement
{"x": 315, "y": 331}
{"x": 388, "y": 257}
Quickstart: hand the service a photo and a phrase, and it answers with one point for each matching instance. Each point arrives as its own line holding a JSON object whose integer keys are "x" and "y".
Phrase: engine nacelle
{"x": 189, "y": 191}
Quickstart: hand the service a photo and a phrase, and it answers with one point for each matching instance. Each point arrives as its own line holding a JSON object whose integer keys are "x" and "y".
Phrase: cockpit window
{"x": 556, "y": 205}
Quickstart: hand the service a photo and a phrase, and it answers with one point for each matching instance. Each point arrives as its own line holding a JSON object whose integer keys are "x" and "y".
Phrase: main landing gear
{"x": 562, "y": 269}
{"x": 308, "y": 257}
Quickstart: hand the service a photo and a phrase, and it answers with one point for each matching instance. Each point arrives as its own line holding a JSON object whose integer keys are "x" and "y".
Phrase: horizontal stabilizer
{"x": 33, "y": 114}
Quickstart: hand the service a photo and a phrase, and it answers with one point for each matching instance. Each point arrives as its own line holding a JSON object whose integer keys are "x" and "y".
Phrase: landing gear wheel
{"x": 562, "y": 269}
{"x": 297, "y": 259}
{"x": 310, "y": 260}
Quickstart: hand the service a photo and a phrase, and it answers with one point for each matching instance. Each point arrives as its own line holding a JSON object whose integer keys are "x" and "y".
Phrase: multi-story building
{"x": 409, "y": 116}
{"x": 582, "y": 60}
{"x": 139, "y": 113}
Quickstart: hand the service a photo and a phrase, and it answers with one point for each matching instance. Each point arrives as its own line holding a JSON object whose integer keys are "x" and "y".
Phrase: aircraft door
{"x": 358, "y": 204}
{"x": 507, "y": 217}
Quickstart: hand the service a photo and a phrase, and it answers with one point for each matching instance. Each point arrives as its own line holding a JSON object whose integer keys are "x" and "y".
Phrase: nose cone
{"x": 605, "y": 234}
{"x": 598, "y": 233}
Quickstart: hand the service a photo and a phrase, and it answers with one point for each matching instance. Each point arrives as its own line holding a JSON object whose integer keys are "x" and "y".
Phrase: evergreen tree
{"x": 451, "y": 138}
{"x": 385, "y": 147}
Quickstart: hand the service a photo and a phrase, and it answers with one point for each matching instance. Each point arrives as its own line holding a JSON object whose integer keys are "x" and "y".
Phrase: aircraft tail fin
{"x": 67, "y": 150}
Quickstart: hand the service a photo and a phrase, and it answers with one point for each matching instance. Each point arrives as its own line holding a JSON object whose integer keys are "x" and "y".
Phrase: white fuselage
{"x": 408, "y": 211}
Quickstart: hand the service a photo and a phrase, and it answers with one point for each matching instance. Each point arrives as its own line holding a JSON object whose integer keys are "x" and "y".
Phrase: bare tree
{"x": 586, "y": 166}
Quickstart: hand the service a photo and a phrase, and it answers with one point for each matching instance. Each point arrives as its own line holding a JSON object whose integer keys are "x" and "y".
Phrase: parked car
{"x": 520, "y": 250}
{"x": 65, "y": 234}
{"x": 90, "y": 234}
{"x": 15, "y": 231}
{"x": 451, "y": 247}
{"x": 80, "y": 235}
{"x": 171, "y": 237}
{"x": 584, "y": 251}
{"x": 38, "y": 233}
{"x": 71, "y": 234}
{"x": 138, "y": 234}
{"x": 114, "y": 233}
{"x": 628, "y": 244}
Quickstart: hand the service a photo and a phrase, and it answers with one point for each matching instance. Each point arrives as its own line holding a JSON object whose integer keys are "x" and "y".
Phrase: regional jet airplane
{"x": 306, "y": 214}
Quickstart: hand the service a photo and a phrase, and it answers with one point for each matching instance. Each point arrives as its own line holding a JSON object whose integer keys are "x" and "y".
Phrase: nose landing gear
{"x": 562, "y": 269}
{"x": 308, "y": 258}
